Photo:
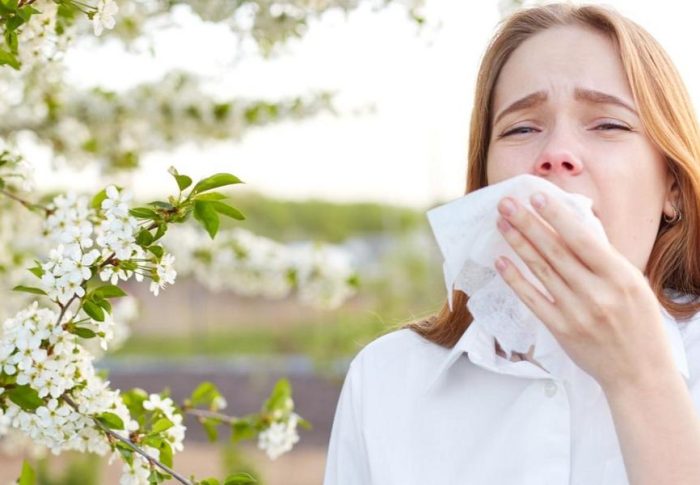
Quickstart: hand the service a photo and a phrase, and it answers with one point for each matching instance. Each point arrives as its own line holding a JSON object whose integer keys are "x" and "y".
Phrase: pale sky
{"x": 411, "y": 151}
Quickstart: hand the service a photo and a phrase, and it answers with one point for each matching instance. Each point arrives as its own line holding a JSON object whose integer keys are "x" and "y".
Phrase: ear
{"x": 673, "y": 192}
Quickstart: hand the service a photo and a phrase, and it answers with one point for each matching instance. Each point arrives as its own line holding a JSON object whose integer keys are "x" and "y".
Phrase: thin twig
{"x": 202, "y": 413}
{"x": 25, "y": 203}
{"x": 131, "y": 445}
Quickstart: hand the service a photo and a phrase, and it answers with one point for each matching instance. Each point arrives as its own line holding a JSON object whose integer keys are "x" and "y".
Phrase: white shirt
{"x": 413, "y": 412}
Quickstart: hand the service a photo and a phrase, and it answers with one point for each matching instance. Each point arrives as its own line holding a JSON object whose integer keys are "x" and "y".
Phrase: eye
{"x": 518, "y": 131}
{"x": 611, "y": 126}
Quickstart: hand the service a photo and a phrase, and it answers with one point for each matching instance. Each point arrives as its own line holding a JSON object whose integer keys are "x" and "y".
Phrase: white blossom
{"x": 164, "y": 273}
{"x": 66, "y": 369}
{"x": 280, "y": 437}
{"x": 104, "y": 17}
{"x": 251, "y": 265}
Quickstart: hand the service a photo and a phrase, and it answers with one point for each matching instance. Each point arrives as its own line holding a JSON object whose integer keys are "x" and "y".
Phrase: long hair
{"x": 667, "y": 116}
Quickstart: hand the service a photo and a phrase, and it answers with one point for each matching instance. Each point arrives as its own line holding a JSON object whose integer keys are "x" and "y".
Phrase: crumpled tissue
{"x": 466, "y": 232}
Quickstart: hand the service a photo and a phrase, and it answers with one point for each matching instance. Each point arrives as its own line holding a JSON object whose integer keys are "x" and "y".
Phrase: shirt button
{"x": 550, "y": 388}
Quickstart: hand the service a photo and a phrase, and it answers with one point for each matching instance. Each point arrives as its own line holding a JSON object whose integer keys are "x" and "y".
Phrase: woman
{"x": 588, "y": 100}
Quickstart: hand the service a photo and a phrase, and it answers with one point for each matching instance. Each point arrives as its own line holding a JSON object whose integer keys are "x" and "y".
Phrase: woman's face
{"x": 563, "y": 110}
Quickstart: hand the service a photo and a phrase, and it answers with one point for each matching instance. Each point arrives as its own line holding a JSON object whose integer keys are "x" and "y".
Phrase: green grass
{"x": 321, "y": 341}
{"x": 288, "y": 220}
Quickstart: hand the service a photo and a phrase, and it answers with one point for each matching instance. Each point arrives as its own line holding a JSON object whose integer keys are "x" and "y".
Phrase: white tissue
{"x": 466, "y": 232}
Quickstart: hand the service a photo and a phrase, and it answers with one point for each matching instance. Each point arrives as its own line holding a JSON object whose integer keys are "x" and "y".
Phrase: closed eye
{"x": 611, "y": 126}
{"x": 521, "y": 130}
{"x": 518, "y": 131}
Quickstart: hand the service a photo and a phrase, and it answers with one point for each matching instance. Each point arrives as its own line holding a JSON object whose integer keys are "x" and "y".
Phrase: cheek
{"x": 506, "y": 162}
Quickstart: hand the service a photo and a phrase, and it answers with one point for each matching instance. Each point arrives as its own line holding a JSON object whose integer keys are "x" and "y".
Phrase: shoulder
{"x": 399, "y": 356}
{"x": 401, "y": 345}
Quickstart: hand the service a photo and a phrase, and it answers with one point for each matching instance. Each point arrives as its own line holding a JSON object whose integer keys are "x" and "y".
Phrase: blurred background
{"x": 346, "y": 119}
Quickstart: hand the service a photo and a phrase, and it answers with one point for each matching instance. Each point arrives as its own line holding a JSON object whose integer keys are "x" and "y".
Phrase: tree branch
{"x": 28, "y": 205}
{"x": 202, "y": 413}
{"x": 128, "y": 443}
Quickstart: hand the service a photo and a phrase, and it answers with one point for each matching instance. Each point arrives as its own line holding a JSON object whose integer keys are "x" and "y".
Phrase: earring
{"x": 677, "y": 216}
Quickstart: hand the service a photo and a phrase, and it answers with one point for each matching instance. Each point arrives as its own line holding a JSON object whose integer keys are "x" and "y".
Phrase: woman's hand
{"x": 605, "y": 315}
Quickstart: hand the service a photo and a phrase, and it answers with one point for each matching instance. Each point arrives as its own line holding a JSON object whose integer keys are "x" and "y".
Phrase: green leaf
{"x": 83, "y": 332}
{"x": 207, "y": 216}
{"x": 10, "y": 4}
{"x": 111, "y": 420}
{"x": 161, "y": 205}
{"x": 11, "y": 39}
{"x": 133, "y": 399}
{"x": 8, "y": 58}
{"x": 27, "y": 476}
{"x": 161, "y": 425}
{"x": 243, "y": 430}
{"x": 94, "y": 311}
{"x": 109, "y": 291}
{"x": 240, "y": 479}
{"x": 183, "y": 181}
{"x": 304, "y": 423}
{"x": 144, "y": 237}
{"x": 25, "y": 397}
{"x": 143, "y": 213}
{"x": 126, "y": 452}
{"x": 279, "y": 395}
{"x": 216, "y": 180}
{"x": 29, "y": 289}
{"x": 156, "y": 250}
{"x": 160, "y": 232}
{"x": 106, "y": 306}
{"x": 227, "y": 210}
{"x": 37, "y": 271}
{"x": 211, "y": 196}
{"x": 13, "y": 23}
{"x": 156, "y": 476}
{"x": 210, "y": 426}
{"x": 97, "y": 200}
{"x": 209, "y": 481}
{"x": 204, "y": 394}
{"x": 153, "y": 440}
{"x": 166, "y": 453}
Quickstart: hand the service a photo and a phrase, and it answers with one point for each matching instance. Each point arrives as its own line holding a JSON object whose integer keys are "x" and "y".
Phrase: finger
{"x": 538, "y": 304}
{"x": 535, "y": 261}
{"x": 551, "y": 247}
{"x": 593, "y": 252}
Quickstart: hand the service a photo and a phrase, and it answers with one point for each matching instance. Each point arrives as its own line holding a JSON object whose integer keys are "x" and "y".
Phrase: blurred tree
{"x": 117, "y": 129}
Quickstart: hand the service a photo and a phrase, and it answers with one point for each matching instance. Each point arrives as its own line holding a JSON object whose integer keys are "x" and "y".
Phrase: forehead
{"x": 559, "y": 59}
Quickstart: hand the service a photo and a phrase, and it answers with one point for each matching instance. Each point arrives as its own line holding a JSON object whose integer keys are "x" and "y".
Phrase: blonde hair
{"x": 667, "y": 116}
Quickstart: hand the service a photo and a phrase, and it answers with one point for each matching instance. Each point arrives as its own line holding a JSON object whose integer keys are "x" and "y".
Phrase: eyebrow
{"x": 580, "y": 94}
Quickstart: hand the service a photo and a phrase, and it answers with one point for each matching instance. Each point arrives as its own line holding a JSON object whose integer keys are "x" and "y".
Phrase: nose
{"x": 560, "y": 162}
{"x": 559, "y": 157}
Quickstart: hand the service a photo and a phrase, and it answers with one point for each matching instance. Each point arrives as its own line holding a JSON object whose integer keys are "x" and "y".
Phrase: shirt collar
{"x": 481, "y": 349}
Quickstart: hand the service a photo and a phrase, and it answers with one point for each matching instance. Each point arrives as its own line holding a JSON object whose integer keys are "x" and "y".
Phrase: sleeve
{"x": 346, "y": 462}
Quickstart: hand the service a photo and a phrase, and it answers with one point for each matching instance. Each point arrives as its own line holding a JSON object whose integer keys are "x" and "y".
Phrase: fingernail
{"x": 538, "y": 200}
{"x": 500, "y": 264}
{"x": 507, "y": 207}
{"x": 503, "y": 225}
